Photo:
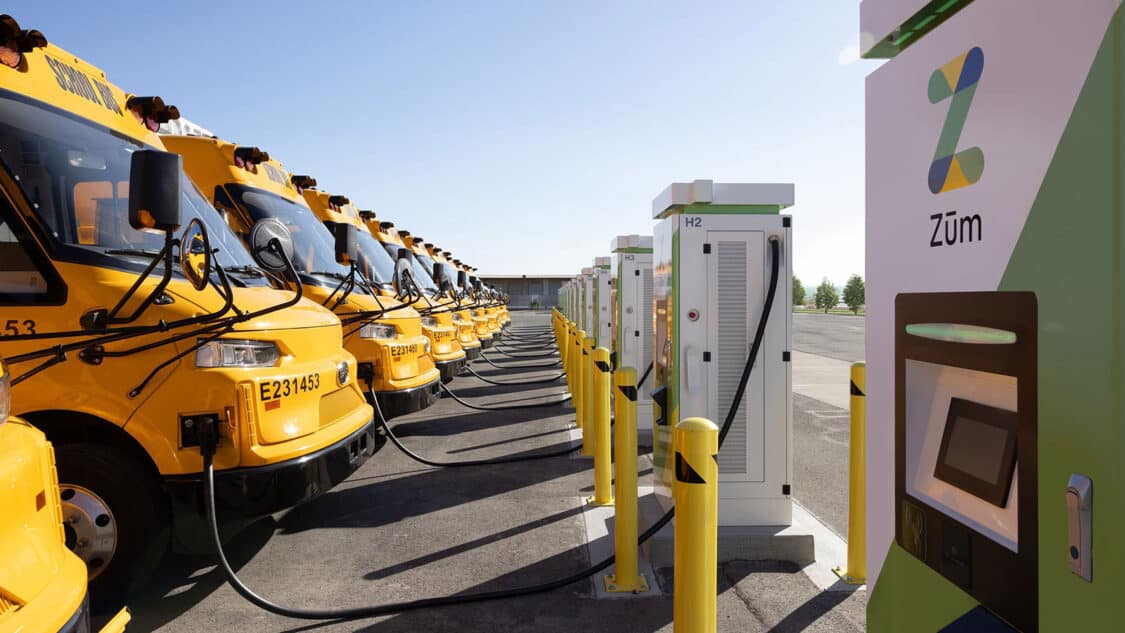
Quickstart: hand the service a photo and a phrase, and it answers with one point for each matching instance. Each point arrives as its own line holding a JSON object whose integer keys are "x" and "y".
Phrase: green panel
{"x": 661, "y": 435}
{"x": 915, "y": 27}
{"x": 730, "y": 209}
{"x": 633, "y": 249}
{"x": 1070, "y": 254}
{"x": 910, "y": 596}
{"x": 955, "y": 123}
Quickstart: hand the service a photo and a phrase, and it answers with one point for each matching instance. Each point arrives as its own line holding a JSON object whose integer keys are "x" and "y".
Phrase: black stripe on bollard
{"x": 684, "y": 471}
{"x": 601, "y": 365}
{"x": 855, "y": 390}
{"x": 629, "y": 391}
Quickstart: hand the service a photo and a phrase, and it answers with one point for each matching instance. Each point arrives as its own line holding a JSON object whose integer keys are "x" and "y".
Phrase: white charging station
{"x": 587, "y": 308}
{"x": 710, "y": 277}
{"x": 632, "y": 313}
{"x": 601, "y": 284}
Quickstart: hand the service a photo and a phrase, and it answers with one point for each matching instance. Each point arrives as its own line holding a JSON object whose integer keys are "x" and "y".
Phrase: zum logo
{"x": 957, "y": 81}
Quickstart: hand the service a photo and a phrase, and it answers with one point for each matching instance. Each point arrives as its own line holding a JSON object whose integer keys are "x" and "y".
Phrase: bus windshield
{"x": 75, "y": 175}
{"x": 314, "y": 248}
{"x": 375, "y": 263}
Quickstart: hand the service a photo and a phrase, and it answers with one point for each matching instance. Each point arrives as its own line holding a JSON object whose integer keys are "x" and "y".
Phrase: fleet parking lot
{"x": 397, "y": 530}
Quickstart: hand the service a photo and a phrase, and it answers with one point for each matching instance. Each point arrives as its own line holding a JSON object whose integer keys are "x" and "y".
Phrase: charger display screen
{"x": 978, "y": 450}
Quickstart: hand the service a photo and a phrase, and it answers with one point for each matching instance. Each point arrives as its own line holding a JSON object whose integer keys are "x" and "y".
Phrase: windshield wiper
{"x": 136, "y": 252}
{"x": 247, "y": 270}
{"x": 334, "y": 275}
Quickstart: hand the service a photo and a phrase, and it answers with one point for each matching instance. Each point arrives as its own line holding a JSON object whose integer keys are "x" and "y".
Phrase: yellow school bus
{"x": 129, "y": 340}
{"x": 444, "y": 278}
{"x": 378, "y": 264}
{"x": 385, "y": 232}
{"x": 42, "y": 583}
{"x": 251, "y": 189}
{"x": 486, "y": 301}
{"x": 462, "y": 314}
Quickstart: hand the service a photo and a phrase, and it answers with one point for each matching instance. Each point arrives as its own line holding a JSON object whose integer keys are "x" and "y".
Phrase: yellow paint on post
{"x": 856, "y": 573}
{"x": 602, "y": 376}
{"x": 579, "y": 382}
{"x": 565, "y": 349}
{"x": 626, "y": 577}
{"x": 588, "y": 430}
{"x": 696, "y": 495}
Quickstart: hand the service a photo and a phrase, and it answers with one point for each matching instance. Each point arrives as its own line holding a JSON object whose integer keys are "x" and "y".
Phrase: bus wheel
{"x": 114, "y": 517}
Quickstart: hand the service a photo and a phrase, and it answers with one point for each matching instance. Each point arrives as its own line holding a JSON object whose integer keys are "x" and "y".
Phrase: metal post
{"x": 856, "y": 572}
{"x": 626, "y": 577}
{"x": 602, "y": 375}
{"x": 588, "y": 430}
{"x": 695, "y": 557}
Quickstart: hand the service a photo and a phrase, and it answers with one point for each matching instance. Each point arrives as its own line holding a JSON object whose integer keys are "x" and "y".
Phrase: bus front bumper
{"x": 245, "y": 494}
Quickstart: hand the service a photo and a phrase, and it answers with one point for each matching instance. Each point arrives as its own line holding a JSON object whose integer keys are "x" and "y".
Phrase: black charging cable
{"x": 468, "y": 462}
{"x": 512, "y": 407}
{"x": 535, "y": 381}
{"x": 209, "y": 441}
{"x": 488, "y": 360}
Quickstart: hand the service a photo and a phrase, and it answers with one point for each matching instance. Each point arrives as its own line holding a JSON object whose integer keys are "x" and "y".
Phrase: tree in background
{"x": 855, "y": 293}
{"x": 826, "y": 296}
{"x": 798, "y": 292}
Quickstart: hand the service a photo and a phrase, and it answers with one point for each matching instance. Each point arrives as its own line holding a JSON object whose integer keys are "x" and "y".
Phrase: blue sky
{"x": 552, "y": 125}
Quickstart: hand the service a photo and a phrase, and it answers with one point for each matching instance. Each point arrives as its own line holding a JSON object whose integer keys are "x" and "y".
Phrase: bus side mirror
{"x": 347, "y": 243}
{"x": 155, "y": 196}
{"x": 271, "y": 245}
{"x": 402, "y": 272}
{"x": 195, "y": 254}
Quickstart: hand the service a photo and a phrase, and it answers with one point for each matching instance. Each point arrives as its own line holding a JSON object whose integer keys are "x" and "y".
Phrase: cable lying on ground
{"x": 478, "y": 407}
{"x": 542, "y": 366}
{"x": 536, "y": 381}
{"x": 468, "y": 462}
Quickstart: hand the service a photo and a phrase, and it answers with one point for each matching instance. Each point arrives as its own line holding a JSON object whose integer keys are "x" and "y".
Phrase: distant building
{"x": 528, "y": 291}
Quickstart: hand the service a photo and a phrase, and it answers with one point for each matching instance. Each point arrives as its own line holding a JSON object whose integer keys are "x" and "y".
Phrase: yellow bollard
{"x": 602, "y": 376}
{"x": 560, "y": 338}
{"x": 856, "y": 573}
{"x": 579, "y": 366}
{"x": 587, "y": 377}
{"x": 625, "y": 578}
{"x": 695, "y": 556}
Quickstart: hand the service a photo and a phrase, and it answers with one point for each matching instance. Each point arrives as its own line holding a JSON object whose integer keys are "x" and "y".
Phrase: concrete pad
{"x": 822, "y": 378}
{"x": 754, "y": 543}
{"x": 600, "y": 534}
{"x": 831, "y": 551}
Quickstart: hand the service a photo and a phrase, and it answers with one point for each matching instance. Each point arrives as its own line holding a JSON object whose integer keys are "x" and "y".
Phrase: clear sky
{"x": 523, "y": 136}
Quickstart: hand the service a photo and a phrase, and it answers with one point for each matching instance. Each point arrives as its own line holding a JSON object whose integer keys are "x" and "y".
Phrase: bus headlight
{"x": 378, "y": 331}
{"x": 343, "y": 372}
{"x": 429, "y": 321}
{"x": 457, "y": 318}
{"x": 237, "y": 353}
{"x": 5, "y": 392}
{"x": 426, "y": 345}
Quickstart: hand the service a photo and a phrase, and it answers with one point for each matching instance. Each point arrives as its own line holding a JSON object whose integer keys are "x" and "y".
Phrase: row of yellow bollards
{"x": 591, "y": 381}
{"x": 695, "y": 490}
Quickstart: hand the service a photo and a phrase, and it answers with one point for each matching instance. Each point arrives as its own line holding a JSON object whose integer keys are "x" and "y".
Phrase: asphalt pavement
{"x": 821, "y": 426}
{"x": 397, "y": 530}
{"x": 838, "y": 336}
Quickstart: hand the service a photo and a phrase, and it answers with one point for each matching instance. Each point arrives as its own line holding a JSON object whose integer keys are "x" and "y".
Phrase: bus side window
{"x": 26, "y": 276}
{"x": 230, "y": 214}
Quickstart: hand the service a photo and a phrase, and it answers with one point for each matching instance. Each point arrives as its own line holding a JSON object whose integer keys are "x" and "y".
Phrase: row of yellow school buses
{"x": 162, "y": 291}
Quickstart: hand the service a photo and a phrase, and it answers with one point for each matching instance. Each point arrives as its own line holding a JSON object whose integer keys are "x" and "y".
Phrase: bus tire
{"x": 115, "y": 518}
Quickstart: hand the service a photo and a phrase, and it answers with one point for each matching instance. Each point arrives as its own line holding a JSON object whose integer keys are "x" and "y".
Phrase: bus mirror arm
{"x": 97, "y": 319}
